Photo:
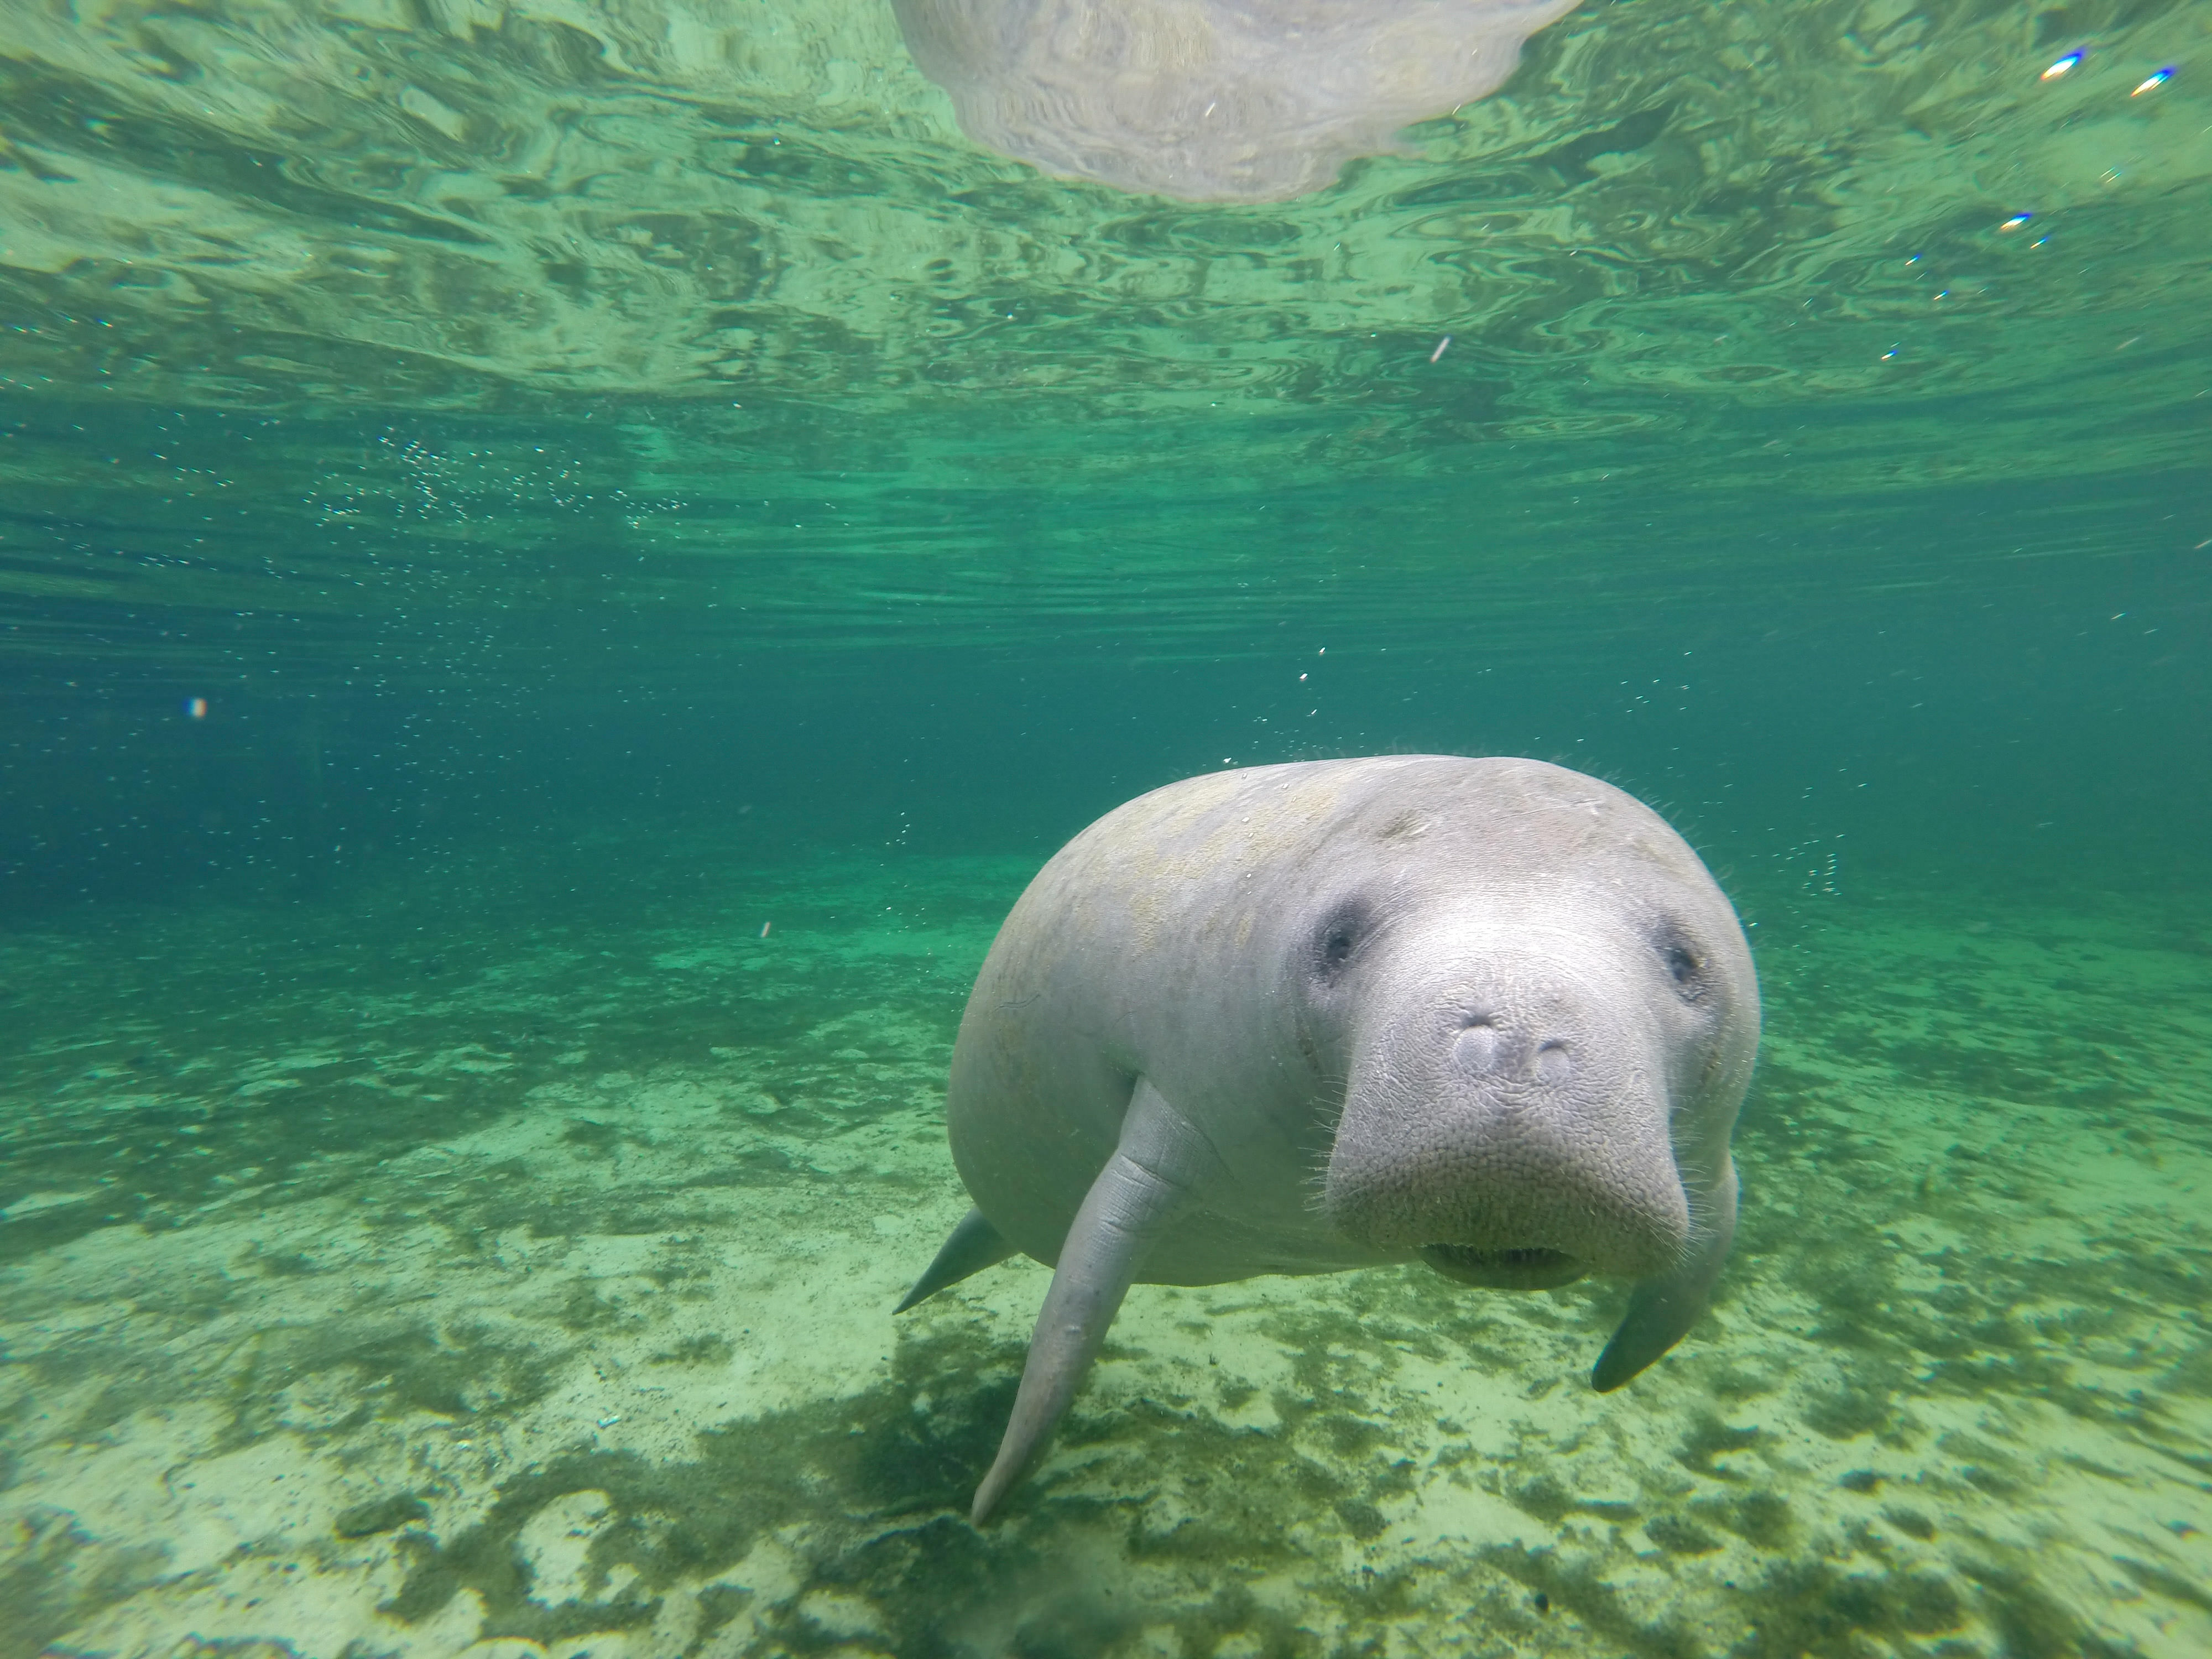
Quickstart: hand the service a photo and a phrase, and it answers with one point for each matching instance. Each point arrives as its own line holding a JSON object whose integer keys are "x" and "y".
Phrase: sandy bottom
{"x": 437, "y": 1271}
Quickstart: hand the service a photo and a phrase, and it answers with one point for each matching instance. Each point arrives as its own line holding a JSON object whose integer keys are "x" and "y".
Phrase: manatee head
{"x": 1544, "y": 1013}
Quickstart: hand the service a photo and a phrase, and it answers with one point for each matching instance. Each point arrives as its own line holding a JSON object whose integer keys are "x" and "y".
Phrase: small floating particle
{"x": 764, "y": 927}
{"x": 2060, "y": 68}
{"x": 1443, "y": 346}
{"x": 2016, "y": 221}
{"x": 2152, "y": 82}
{"x": 196, "y": 708}
{"x": 1888, "y": 355}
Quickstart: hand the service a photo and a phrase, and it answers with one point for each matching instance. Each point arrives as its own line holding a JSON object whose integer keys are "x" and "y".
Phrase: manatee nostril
{"x": 1554, "y": 1063}
{"x": 1485, "y": 1048}
{"x": 1477, "y": 1047}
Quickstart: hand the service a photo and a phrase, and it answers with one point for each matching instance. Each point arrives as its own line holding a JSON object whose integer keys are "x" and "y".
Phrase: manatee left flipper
{"x": 972, "y": 1246}
{"x": 1662, "y": 1310}
{"x": 1160, "y": 1165}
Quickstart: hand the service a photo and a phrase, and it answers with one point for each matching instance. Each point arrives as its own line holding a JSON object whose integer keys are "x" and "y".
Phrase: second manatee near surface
{"x": 1489, "y": 1014}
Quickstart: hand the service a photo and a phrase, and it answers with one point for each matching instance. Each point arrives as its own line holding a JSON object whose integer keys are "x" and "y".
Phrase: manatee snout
{"x": 1515, "y": 1135}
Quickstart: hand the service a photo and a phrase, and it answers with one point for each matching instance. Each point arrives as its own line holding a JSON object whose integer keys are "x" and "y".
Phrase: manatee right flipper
{"x": 1662, "y": 1310}
{"x": 1161, "y": 1165}
{"x": 972, "y": 1246}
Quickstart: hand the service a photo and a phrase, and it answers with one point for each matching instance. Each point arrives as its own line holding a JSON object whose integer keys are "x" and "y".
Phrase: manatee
{"x": 1487, "y": 1014}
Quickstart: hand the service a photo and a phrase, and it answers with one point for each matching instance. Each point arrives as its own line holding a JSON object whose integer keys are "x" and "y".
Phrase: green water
{"x": 561, "y": 565}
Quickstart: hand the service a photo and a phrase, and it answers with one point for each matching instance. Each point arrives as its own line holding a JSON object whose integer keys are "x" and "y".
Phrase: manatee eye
{"x": 1337, "y": 942}
{"x": 1683, "y": 968}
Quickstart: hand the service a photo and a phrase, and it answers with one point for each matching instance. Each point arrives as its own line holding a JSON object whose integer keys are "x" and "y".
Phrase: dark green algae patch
{"x": 692, "y": 1519}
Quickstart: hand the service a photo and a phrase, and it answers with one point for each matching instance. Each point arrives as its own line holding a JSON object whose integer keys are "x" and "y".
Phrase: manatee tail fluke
{"x": 1662, "y": 1310}
{"x": 974, "y": 1245}
{"x": 1160, "y": 1164}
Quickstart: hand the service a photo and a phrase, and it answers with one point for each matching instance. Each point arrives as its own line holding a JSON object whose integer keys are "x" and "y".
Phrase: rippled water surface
{"x": 562, "y": 563}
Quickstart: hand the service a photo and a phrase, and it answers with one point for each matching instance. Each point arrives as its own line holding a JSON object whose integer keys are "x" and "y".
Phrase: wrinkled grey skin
{"x": 1490, "y": 1014}
{"x": 1211, "y": 100}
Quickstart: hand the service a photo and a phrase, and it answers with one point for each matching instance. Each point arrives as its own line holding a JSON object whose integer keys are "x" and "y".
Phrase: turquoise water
{"x": 561, "y": 565}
